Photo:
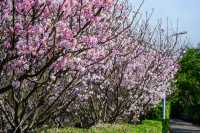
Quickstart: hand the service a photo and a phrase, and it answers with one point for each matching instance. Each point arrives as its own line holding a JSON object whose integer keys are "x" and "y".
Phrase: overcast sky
{"x": 186, "y": 11}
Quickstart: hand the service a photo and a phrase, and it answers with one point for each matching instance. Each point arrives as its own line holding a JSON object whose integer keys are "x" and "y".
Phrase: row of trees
{"x": 80, "y": 61}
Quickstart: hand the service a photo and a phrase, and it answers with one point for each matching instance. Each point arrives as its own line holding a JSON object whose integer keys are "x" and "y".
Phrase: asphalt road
{"x": 179, "y": 126}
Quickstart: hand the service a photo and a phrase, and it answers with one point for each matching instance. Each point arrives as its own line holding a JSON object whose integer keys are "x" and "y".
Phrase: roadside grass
{"x": 148, "y": 126}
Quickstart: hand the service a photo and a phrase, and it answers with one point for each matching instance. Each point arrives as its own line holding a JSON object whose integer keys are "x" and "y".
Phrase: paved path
{"x": 178, "y": 126}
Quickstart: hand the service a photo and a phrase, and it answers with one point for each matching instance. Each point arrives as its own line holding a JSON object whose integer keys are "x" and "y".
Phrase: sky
{"x": 187, "y": 12}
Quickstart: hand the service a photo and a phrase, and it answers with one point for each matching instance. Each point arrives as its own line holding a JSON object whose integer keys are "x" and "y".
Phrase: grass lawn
{"x": 148, "y": 126}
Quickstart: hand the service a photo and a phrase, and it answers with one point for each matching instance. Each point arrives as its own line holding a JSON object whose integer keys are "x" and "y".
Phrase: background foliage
{"x": 186, "y": 101}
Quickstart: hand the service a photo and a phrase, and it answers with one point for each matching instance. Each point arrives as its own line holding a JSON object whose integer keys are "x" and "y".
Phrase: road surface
{"x": 179, "y": 126}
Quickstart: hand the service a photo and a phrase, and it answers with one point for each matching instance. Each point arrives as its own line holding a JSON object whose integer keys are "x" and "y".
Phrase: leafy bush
{"x": 157, "y": 114}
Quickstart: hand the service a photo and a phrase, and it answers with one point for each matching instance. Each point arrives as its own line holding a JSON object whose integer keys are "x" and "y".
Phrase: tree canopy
{"x": 188, "y": 83}
{"x": 188, "y": 77}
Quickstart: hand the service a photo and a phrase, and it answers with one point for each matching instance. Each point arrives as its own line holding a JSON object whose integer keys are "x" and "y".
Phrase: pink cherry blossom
{"x": 16, "y": 84}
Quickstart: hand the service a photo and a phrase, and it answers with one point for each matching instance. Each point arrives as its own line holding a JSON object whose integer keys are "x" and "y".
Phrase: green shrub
{"x": 156, "y": 113}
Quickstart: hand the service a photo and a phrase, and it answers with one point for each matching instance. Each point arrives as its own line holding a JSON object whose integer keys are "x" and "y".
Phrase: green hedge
{"x": 156, "y": 113}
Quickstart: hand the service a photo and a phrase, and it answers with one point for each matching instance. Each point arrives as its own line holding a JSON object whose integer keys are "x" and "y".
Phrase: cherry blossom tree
{"x": 132, "y": 80}
{"x": 46, "y": 48}
{"x": 85, "y": 59}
